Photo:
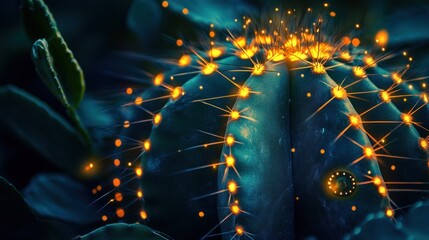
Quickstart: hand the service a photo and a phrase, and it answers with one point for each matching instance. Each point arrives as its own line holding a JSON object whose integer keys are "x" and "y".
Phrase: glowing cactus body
{"x": 280, "y": 138}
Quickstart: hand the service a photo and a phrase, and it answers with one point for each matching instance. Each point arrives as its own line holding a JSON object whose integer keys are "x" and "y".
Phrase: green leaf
{"x": 43, "y": 129}
{"x": 54, "y": 61}
{"x": 37, "y": 19}
{"x": 17, "y": 220}
{"x": 59, "y": 70}
{"x": 122, "y": 231}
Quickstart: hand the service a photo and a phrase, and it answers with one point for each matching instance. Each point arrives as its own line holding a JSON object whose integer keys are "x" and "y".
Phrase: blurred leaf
{"x": 43, "y": 129}
{"x": 53, "y": 196}
{"x": 54, "y": 61}
{"x": 121, "y": 231}
{"x": 16, "y": 219}
{"x": 59, "y": 70}
{"x": 37, "y": 19}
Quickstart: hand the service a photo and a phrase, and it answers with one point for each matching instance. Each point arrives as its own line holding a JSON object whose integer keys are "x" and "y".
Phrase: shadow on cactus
{"x": 271, "y": 128}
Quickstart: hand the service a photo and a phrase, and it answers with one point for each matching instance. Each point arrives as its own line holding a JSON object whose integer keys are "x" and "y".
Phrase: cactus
{"x": 276, "y": 134}
{"x": 285, "y": 131}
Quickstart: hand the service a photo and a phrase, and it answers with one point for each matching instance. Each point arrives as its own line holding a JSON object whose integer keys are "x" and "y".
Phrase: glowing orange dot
{"x": 368, "y": 152}
{"x": 354, "y": 120}
{"x": 230, "y": 140}
{"x": 385, "y": 96}
{"x": 322, "y": 151}
{"x": 138, "y": 101}
{"x": 143, "y": 214}
{"x": 157, "y": 119}
{"x": 139, "y": 172}
{"x": 376, "y": 181}
{"x": 423, "y": 143}
{"x": 235, "y": 209}
{"x": 339, "y": 92}
{"x": 393, "y": 167}
{"x": 126, "y": 124}
{"x": 159, "y": 79}
{"x": 230, "y": 161}
{"x": 244, "y": 92}
{"x": 185, "y": 11}
{"x": 117, "y": 162}
{"x": 234, "y": 115}
{"x": 353, "y": 208}
{"x": 129, "y": 91}
{"x": 118, "y": 197}
{"x": 359, "y": 72}
{"x": 104, "y": 218}
{"x": 185, "y": 60}
{"x": 382, "y": 190}
{"x": 179, "y": 42}
{"x": 146, "y": 145}
{"x": 332, "y": 14}
{"x": 99, "y": 188}
{"x": 164, "y": 4}
{"x": 120, "y": 212}
{"x": 346, "y": 56}
{"x": 382, "y": 37}
{"x": 212, "y": 34}
{"x": 176, "y": 93}
{"x": 293, "y": 150}
{"x": 201, "y": 214}
{"x": 239, "y": 42}
{"x": 94, "y": 191}
{"x": 389, "y": 212}
{"x": 118, "y": 142}
{"x": 406, "y": 118}
{"x": 116, "y": 182}
{"x": 140, "y": 193}
{"x": 258, "y": 69}
{"x": 215, "y": 52}
{"x": 239, "y": 230}
{"x": 355, "y": 42}
{"x": 318, "y": 68}
{"x": 396, "y": 78}
{"x": 209, "y": 68}
{"x": 232, "y": 187}
{"x": 425, "y": 97}
{"x": 369, "y": 61}
{"x": 346, "y": 40}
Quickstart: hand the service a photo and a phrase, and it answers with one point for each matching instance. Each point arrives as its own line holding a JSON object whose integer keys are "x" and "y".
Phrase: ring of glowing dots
{"x": 342, "y": 183}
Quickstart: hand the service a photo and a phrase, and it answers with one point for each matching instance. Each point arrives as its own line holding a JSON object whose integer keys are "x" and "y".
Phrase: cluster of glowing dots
{"x": 342, "y": 183}
{"x": 381, "y": 189}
